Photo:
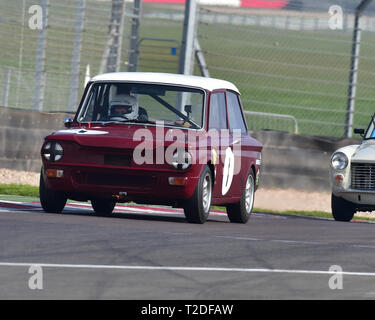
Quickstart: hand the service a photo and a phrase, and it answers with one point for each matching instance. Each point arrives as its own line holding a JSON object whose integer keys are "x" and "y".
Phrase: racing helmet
{"x": 124, "y": 105}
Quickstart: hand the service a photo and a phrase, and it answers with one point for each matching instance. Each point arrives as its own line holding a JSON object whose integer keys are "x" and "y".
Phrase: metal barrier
{"x": 275, "y": 115}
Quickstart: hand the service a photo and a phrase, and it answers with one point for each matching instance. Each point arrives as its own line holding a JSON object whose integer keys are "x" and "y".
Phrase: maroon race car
{"x": 154, "y": 138}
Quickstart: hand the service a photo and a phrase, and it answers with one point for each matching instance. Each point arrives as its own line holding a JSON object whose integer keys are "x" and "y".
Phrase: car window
{"x": 236, "y": 120}
{"x": 218, "y": 113}
{"x": 150, "y": 103}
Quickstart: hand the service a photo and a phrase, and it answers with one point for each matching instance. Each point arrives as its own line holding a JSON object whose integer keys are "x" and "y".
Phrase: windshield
{"x": 370, "y": 133}
{"x": 143, "y": 103}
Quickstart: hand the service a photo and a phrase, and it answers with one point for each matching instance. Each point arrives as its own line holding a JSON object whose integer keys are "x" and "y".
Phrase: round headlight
{"x": 339, "y": 161}
{"x": 52, "y": 151}
{"x": 182, "y": 160}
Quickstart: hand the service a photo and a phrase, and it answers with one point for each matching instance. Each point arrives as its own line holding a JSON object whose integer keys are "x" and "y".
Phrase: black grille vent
{"x": 119, "y": 180}
{"x": 117, "y": 160}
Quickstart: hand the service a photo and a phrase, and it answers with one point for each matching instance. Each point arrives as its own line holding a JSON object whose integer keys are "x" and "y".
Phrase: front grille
{"x": 119, "y": 180}
{"x": 363, "y": 176}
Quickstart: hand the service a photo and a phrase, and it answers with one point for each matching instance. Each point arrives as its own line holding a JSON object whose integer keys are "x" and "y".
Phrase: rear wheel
{"x": 51, "y": 201}
{"x": 198, "y": 206}
{"x": 240, "y": 212}
{"x": 342, "y": 210}
{"x": 103, "y": 207}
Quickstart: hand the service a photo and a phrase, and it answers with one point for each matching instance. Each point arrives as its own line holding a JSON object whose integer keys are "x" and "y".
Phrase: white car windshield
{"x": 370, "y": 133}
{"x": 114, "y": 102}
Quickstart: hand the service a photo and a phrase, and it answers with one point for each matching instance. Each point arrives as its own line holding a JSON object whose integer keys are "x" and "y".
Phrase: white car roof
{"x": 168, "y": 78}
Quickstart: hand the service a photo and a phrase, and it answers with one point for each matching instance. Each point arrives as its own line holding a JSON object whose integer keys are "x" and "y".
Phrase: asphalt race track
{"x": 143, "y": 253}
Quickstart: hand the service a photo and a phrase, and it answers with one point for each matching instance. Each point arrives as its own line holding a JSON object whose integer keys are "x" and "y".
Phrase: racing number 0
{"x": 228, "y": 171}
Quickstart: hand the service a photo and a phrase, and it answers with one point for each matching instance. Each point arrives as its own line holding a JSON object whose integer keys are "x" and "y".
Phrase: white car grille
{"x": 363, "y": 176}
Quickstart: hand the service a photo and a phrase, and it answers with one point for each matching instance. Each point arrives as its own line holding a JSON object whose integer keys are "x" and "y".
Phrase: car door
{"x": 217, "y": 124}
{"x": 239, "y": 144}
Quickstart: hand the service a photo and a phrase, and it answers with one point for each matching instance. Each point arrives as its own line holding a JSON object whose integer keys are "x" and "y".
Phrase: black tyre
{"x": 103, "y": 207}
{"x": 51, "y": 201}
{"x": 240, "y": 212}
{"x": 342, "y": 210}
{"x": 197, "y": 208}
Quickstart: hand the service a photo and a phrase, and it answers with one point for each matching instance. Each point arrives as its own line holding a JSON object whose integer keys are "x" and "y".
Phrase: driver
{"x": 125, "y": 106}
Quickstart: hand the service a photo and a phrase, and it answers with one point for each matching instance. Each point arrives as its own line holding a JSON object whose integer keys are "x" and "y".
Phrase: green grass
{"x": 301, "y": 76}
{"x": 19, "y": 190}
{"x": 8, "y": 197}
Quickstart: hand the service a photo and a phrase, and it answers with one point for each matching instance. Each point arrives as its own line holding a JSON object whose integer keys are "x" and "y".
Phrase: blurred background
{"x": 291, "y": 60}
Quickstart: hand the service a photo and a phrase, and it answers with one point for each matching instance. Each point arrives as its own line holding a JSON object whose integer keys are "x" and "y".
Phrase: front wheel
{"x": 103, "y": 207}
{"x": 240, "y": 212}
{"x": 342, "y": 210}
{"x": 51, "y": 201}
{"x": 198, "y": 206}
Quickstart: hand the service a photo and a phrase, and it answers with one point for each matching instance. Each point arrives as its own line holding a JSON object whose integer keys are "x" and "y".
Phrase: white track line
{"x": 271, "y": 240}
{"x": 118, "y": 208}
{"x": 171, "y": 268}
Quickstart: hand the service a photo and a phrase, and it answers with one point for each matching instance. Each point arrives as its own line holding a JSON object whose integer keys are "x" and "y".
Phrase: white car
{"x": 353, "y": 176}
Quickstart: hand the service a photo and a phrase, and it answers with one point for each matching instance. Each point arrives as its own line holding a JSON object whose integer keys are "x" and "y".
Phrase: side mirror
{"x": 359, "y": 131}
{"x": 68, "y": 122}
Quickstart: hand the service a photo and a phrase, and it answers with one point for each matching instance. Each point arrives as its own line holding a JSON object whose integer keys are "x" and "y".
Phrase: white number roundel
{"x": 227, "y": 171}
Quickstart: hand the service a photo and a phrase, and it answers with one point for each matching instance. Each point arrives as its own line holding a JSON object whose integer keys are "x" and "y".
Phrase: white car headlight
{"x": 339, "y": 161}
{"x": 182, "y": 161}
{"x": 52, "y": 151}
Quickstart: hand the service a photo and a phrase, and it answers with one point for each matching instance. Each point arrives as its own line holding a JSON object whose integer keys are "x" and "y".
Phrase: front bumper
{"x": 360, "y": 197}
{"x": 151, "y": 186}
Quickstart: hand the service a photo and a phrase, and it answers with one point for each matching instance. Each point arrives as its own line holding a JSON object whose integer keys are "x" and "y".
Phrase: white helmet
{"x": 124, "y": 105}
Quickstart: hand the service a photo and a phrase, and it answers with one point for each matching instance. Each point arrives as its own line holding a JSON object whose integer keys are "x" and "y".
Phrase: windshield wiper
{"x": 178, "y": 112}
